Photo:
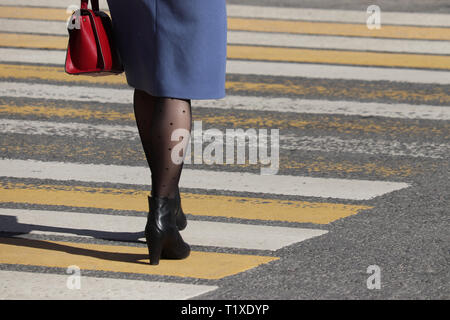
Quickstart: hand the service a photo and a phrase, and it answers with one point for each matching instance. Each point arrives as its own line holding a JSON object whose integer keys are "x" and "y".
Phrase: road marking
{"x": 204, "y": 179}
{"x": 47, "y": 3}
{"x": 287, "y": 142}
{"x": 202, "y": 265}
{"x": 230, "y": 102}
{"x": 314, "y": 71}
{"x": 269, "y": 25}
{"x": 128, "y": 228}
{"x": 320, "y": 71}
{"x": 54, "y": 287}
{"x": 338, "y": 29}
{"x": 39, "y": 13}
{"x": 306, "y": 14}
{"x": 365, "y": 146}
{"x": 327, "y": 15}
{"x": 314, "y": 164}
{"x": 245, "y": 52}
{"x": 337, "y": 57}
{"x": 338, "y": 43}
{"x": 33, "y": 41}
{"x": 264, "y": 38}
{"x": 195, "y": 204}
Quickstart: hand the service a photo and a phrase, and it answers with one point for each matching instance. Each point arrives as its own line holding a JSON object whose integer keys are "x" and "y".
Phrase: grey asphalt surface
{"x": 406, "y": 233}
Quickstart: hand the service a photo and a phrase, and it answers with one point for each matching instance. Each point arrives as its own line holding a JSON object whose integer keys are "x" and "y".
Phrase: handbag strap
{"x": 94, "y": 3}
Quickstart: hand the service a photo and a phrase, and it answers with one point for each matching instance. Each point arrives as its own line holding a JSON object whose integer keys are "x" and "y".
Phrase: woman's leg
{"x": 157, "y": 118}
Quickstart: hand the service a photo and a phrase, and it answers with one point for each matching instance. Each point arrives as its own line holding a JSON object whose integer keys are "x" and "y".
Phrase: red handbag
{"x": 91, "y": 49}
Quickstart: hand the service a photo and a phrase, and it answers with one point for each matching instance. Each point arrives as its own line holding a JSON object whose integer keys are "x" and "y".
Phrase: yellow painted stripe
{"x": 243, "y": 119}
{"x": 324, "y": 123}
{"x": 202, "y": 265}
{"x": 268, "y": 25}
{"x": 270, "y": 53}
{"x": 33, "y": 41}
{"x": 339, "y": 29}
{"x": 55, "y": 74}
{"x": 57, "y": 14}
{"x": 65, "y": 113}
{"x": 365, "y": 92}
{"x": 382, "y": 169}
{"x": 339, "y": 57}
{"x": 369, "y": 92}
{"x": 196, "y": 204}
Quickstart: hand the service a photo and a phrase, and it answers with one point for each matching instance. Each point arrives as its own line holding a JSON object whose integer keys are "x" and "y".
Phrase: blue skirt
{"x": 173, "y": 48}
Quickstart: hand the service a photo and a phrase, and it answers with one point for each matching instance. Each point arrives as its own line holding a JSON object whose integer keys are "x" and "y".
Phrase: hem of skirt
{"x": 180, "y": 96}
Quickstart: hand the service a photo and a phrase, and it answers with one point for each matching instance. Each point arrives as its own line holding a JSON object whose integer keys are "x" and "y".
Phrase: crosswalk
{"x": 73, "y": 181}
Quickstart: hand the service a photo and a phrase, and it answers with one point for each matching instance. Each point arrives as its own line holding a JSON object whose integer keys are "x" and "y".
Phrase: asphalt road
{"x": 404, "y": 232}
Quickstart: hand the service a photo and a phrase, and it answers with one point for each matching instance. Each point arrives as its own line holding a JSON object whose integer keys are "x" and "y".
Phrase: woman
{"x": 172, "y": 51}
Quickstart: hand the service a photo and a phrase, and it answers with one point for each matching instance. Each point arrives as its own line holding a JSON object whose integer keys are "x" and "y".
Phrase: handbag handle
{"x": 94, "y": 3}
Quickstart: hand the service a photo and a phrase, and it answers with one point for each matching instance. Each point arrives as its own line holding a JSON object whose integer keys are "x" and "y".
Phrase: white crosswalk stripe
{"x": 204, "y": 179}
{"x": 55, "y": 287}
{"x": 128, "y": 228}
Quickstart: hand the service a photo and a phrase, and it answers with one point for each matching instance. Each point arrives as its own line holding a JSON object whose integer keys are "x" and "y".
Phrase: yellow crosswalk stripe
{"x": 242, "y": 52}
{"x": 57, "y": 14}
{"x": 339, "y": 29}
{"x": 269, "y": 25}
{"x": 364, "y": 92}
{"x": 241, "y": 119}
{"x": 202, "y": 265}
{"x": 339, "y": 57}
{"x": 32, "y": 41}
{"x": 196, "y": 204}
{"x": 55, "y": 74}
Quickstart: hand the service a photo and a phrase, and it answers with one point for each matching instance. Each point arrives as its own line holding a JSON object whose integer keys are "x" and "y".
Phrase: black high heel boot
{"x": 161, "y": 232}
{"x": 180, "y": 217}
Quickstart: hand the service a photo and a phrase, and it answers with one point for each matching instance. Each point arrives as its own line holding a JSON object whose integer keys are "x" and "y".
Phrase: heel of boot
{"x": 154, "y": 252}
{"x": 155, "y": 247}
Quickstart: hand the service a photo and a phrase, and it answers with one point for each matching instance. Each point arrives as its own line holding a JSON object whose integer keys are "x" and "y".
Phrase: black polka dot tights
{"x": 157, "y": 118}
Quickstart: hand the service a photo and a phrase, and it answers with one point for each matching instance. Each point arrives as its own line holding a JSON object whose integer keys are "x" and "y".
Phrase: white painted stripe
{"x": 204, "y": 179}
{"x": 69, "y": 129}
{"x": 56, "y": 57}
{"x": 365, "y": 146}
{"x": 265, "y": 12}
{"x": 125, "y": 96}
{"x": 326, "y": 15}
{"x": 128, "y": 228}
{"x": 33, "y": 26}
{"x": 340, "y": 43}
{"x": 289, "y": 142}
{"x": 327, "y": 71}
{"x": 18, "y": 285}
{"x": 351, "y": 108}
{"x": 320, "y": 71}
{"x": 269, "y": 39}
